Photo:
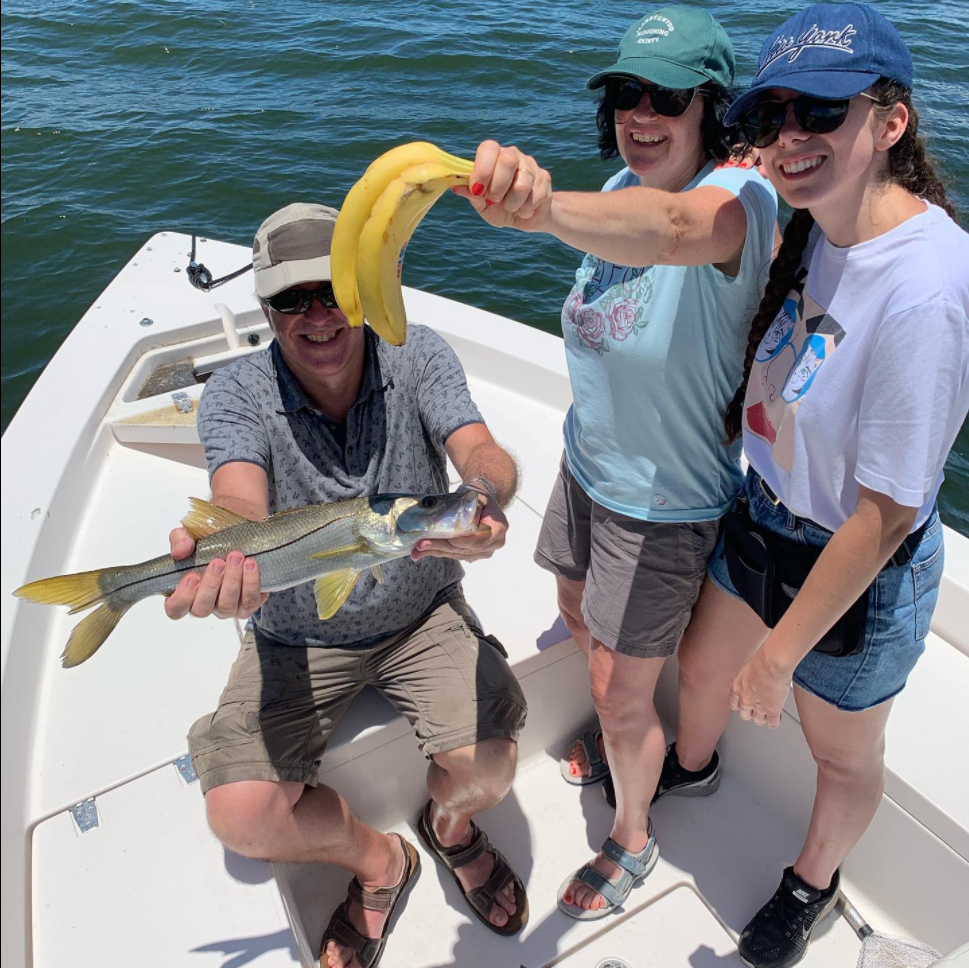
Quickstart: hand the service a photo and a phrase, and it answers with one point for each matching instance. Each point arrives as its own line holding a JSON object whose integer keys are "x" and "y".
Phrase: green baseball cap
{"x": 674, "y": 46}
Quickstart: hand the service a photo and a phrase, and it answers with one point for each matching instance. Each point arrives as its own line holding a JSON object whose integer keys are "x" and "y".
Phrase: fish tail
{"x": 90, "y": 633}
{"x": 80, "y": 591}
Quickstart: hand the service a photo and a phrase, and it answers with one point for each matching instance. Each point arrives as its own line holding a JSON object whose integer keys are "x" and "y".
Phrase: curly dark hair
{"x": 719, "y": 141}
{"x": 907, "y": 165}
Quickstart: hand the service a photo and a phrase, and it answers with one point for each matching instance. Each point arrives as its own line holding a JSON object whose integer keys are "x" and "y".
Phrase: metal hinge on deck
{"x": 185, "y": 769}
{"x": 85, "y": 815}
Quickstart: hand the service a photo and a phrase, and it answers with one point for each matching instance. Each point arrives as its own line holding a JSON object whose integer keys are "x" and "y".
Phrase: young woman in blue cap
{"x": 655, "y": 327}
{"x": 855, "y": 383}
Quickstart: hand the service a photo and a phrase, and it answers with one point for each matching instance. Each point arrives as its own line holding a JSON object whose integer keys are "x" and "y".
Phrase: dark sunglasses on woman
{"x": 762, "y": 124}
{"x": 624, "y": 93}
{"x": 293, "y": 302}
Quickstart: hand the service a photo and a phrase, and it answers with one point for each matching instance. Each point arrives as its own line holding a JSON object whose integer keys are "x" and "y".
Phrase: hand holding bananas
{"x": 508, "y": 188}
{"x": 376, "y": 221}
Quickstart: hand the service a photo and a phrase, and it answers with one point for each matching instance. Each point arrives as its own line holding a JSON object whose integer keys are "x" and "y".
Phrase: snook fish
{"x": 331, "y": 543}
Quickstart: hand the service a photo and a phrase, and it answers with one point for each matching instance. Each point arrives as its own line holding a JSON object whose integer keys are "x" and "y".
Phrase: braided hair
{"x": 907, "y": 166}
{"x": 782, "y": 272}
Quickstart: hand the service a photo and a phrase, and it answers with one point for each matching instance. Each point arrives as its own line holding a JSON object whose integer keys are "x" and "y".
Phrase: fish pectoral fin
{"x": 205, "y": 518}
{"x": 345, "y": 550}
{"x": 333, "y": 590}
{"x": 377, "y": 573}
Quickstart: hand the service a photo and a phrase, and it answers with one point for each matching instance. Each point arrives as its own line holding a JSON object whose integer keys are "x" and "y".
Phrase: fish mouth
{"x": 441, "y": 515}
{"x": 469, "y": 512}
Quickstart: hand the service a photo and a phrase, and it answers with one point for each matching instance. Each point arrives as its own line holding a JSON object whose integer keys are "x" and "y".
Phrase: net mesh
{"x": 886, "y": 951}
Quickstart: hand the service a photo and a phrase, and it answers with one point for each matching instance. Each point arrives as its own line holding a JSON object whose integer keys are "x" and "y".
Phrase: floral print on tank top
{"x": 607, "y": 304}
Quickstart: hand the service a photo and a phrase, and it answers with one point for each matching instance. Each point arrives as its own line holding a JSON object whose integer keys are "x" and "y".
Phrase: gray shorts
{"x": 642, "y": 578}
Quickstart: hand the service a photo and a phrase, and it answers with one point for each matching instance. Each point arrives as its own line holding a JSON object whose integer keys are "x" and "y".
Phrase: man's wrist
{"x": 483, "y": 486}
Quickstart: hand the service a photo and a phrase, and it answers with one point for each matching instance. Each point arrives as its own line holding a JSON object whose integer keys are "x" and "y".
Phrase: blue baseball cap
{"x": 828, "y": 50}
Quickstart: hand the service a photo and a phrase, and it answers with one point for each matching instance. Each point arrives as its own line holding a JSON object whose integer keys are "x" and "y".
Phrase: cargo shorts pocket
{"x": 239, "y": 716}
{"x": 480, "y": 659}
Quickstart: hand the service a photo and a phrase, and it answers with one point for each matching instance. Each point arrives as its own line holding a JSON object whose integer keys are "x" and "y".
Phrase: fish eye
{"x": 429, "y": 502}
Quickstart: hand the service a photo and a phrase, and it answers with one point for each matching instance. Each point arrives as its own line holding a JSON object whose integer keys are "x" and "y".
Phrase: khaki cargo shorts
{"x": 642, "y": 578}
{"x": 281, "y": 704}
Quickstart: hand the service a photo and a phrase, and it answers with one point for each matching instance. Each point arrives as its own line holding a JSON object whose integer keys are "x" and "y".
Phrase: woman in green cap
{"x": 678, "y": 247}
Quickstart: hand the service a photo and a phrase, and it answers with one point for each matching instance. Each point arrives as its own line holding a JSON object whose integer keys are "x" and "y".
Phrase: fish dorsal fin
{"x": 332, "y": 591}
{"x": 205, "y": 518}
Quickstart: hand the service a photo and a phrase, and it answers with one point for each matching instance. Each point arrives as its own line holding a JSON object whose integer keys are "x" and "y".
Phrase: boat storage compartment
{"x": 150, "y": 885}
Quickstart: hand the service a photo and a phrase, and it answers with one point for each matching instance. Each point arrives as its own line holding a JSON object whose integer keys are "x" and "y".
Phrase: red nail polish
{"x": 477, "y": 188}
{"x": 567, "y": 898}
{"x": 489, "y": 203}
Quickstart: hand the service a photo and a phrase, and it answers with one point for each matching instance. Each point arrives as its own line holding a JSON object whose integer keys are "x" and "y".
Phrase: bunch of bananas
{"x": 376, "y": 221}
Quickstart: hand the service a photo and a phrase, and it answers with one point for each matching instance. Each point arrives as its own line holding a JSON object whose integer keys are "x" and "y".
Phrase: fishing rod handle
{"x": 850, "y": 913}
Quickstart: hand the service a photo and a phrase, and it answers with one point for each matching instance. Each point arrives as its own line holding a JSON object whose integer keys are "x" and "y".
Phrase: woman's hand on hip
{"x": 508, "y": 188}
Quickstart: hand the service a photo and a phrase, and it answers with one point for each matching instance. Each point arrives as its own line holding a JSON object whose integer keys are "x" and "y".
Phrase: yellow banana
{"x": 356, "y": 209}
{"x": 393, "y": 219}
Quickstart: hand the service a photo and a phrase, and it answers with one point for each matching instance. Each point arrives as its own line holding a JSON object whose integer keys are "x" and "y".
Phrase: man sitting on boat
{"x": 325, "y": 413}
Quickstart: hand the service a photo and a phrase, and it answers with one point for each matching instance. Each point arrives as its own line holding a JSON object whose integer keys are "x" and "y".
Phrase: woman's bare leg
{"x": 723, "y": 633}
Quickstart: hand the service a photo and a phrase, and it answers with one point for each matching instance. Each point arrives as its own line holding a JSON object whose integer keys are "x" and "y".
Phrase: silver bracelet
{"x": 482, "y": 483}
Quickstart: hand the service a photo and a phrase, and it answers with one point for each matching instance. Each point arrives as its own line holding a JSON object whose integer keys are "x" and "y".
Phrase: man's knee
{"x": 244, "y": 815}
{"x": 491, "y": 760}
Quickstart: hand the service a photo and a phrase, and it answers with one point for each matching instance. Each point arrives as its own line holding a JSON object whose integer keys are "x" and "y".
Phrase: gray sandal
{"x": 598, "y": 767}
{"x": 635, "y": 867}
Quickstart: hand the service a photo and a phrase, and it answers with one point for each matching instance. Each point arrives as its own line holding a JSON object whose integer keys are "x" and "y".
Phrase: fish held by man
{"x": 331, "y": 544}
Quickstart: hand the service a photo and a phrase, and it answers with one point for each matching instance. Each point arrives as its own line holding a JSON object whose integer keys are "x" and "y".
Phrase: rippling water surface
{"x": 121, "y": 119}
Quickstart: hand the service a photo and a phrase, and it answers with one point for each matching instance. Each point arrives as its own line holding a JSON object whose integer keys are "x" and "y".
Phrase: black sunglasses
{"x": 293, "y": 302}
{"x": 762, "y": 124}
{"x": 624, "y": 93}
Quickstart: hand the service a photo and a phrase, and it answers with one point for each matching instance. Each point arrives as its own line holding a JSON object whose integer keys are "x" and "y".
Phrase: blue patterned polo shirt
{"x": 412, "y": 398}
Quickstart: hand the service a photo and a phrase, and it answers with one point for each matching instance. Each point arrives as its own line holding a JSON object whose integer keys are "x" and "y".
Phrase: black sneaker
{"x": 675, "y": 780}
{"x": 778, "y": 934}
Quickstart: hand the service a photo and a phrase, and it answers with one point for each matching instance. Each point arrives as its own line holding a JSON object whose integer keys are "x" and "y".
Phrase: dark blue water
{"x": 121, "y": 119}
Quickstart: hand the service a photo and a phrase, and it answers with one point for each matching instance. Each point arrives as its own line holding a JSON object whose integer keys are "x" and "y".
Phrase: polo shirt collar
{"x": 289, "y": 395}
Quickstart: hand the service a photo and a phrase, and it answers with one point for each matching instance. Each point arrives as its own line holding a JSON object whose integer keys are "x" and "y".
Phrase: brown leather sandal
{"x": 341, "y": 929}
{"x": 480, "y": 899}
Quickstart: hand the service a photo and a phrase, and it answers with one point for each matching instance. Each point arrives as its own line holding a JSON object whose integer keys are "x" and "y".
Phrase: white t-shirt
{"x": 863, "y": 377}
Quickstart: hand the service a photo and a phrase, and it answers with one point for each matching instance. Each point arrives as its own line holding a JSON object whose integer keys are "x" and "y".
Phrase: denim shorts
{"x": 901, "y": 601}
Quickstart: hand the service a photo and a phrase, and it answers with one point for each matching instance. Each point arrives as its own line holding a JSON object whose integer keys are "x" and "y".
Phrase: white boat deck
{"x": 150, "y": 885}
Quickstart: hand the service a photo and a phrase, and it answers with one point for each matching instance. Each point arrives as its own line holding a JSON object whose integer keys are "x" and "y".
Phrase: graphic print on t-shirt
{"x": 607, "y": 304}
{"x": 786, "y": 365}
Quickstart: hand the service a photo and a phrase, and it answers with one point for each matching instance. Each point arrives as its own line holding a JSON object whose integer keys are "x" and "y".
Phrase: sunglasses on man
{"x": 762, "y": 124}
{"x": 625, "y": 93}
{"x": 293, "y": 302}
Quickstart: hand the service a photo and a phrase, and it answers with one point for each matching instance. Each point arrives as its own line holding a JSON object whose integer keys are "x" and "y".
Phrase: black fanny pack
{"x": 768, "y": 571}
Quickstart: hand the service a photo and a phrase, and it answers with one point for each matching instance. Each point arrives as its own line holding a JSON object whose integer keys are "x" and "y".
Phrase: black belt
{"x": 903, "y": 554}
